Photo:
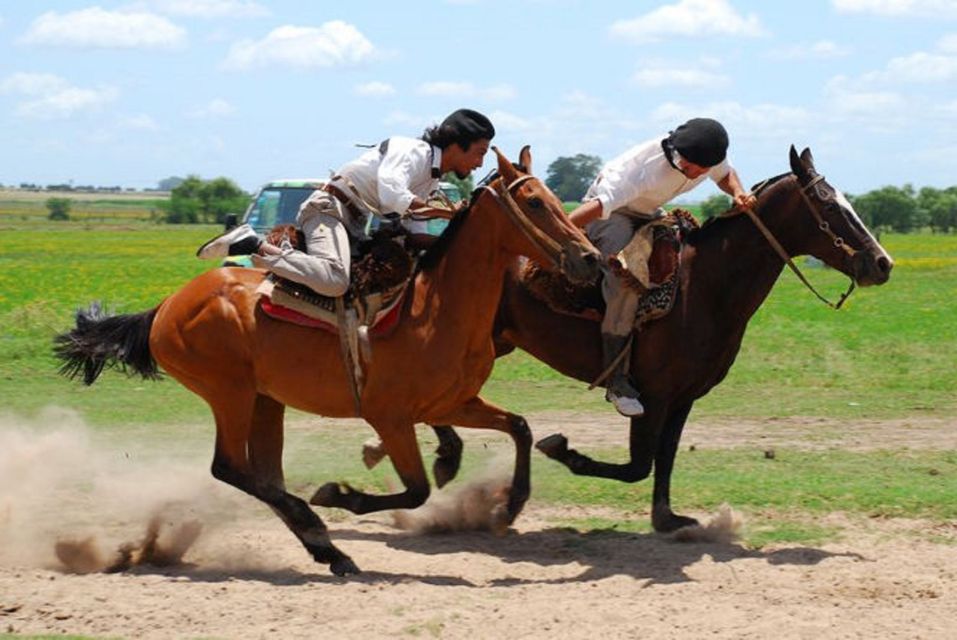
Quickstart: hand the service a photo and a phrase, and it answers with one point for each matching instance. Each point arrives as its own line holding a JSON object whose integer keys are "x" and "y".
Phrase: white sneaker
{"x": 219, "y": 246}
{"x": 627, "y": 406}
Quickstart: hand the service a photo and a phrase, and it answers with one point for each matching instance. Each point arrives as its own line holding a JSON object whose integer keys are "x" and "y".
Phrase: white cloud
{"x": 746, "y": 121}
{"x": 466, "y": 90}
{"x": 96, "y": 28}
{"x": 948, "y": 44}
{"x": 140, "y": 122}
{"x": 820, "y": 50}
{"x": 505, "y": 121}
{"x": 919, "y": 67}
{"x": 213, "y": 8}
{"x": 657, "y": 74}
{"x": 51, "y": 96}
{"x": 922, "y": 8}
{"x": 215, "y": 108}
{"x": 688, "y": 18}
{"x": 845, "y": 97}
{"x": 333, "y": 44}
{"x": 375, "y": 89}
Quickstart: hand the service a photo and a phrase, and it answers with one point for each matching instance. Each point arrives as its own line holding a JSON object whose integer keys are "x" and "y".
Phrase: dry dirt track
{"x": 247, "y": 578}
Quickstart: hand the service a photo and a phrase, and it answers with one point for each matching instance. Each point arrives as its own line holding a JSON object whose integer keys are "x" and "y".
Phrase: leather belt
{"x": 340, "y": 195}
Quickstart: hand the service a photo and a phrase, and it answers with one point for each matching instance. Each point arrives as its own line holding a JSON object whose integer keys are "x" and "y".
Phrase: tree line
{"x": 899, "y": 209}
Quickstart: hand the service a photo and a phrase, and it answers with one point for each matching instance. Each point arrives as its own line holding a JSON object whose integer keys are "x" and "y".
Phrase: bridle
{"x": 503, "y": 196}
{"x": 822, "y": 224}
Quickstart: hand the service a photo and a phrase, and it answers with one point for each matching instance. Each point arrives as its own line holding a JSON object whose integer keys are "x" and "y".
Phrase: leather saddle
{"x": 378, "y": 282}
{"x": 648, "y": 265}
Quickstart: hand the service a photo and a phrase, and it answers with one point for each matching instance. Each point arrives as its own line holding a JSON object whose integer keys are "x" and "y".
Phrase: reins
{"x": 821, "y": 224}
{"x": 503, "y": 196}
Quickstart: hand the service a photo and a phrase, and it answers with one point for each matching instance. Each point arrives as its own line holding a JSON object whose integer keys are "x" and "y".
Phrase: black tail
{"x": 101, "y": 340}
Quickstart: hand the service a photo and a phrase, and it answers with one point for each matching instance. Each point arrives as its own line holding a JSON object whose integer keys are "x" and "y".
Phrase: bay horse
{"x": 213, "y": 337}
{"x": 727, "y": 270}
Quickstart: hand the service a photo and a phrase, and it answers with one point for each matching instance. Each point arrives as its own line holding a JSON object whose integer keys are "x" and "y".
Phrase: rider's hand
{"x": 744, "y": 201}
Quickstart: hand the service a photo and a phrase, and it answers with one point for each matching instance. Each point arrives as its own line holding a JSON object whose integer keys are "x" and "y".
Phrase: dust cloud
{"x": 478, "y": 504}
{"x": 71, "y": 502}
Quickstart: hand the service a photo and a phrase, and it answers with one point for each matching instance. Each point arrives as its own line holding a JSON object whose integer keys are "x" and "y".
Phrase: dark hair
{"x": 462, "y": 127}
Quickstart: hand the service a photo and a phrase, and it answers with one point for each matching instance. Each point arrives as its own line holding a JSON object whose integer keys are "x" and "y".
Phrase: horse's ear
{"x": 807, "y": 158}
{"x": 505, "y": 168}
{"x": 525, "y": 158}
{"x": 798, "y": 166}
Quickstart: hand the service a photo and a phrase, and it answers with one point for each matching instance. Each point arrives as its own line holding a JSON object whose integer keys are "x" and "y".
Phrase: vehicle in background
{"x": 278, "y": 202}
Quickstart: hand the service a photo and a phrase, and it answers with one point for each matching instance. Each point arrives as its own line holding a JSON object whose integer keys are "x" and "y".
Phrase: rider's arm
{"x": 731, "y": 185}
{"x": 586, "y": 212}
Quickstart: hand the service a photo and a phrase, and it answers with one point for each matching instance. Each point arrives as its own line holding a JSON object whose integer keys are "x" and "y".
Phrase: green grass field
{"x": 888, "y": 354}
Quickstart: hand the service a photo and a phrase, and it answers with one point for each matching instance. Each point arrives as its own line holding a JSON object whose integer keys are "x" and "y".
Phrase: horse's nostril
{"x": 884, "y": 264}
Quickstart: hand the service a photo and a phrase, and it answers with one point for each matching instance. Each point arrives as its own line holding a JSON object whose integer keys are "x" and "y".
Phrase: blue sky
{"x": 128, "y": 93}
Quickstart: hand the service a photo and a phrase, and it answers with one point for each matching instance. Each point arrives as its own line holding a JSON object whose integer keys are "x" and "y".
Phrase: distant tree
{"x": 715, "y": 205}
{"x": 893, "y": 208}
{"x": 569, "y": 177}
{"x": 170, "y": 183}
{"x": 59, "y": 208}
{"x": 219, "y": 197}
{"x": 939, "y": 207}
{"x": 466, "y": 185}
{"x": 195, "y": 200}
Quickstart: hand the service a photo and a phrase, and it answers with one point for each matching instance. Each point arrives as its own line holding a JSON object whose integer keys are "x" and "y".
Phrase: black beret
{"x": 469, "y": 124}
{"x": 702, "y": 141}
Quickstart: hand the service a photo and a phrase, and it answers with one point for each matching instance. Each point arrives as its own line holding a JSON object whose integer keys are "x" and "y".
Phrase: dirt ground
{"x": 246, "y": 577}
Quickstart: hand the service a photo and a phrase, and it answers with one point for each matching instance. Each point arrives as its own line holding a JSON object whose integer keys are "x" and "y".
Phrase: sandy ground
{"x": 246, "y": 577}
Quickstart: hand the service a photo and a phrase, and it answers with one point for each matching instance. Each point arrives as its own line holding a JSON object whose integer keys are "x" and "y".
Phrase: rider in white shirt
{"x": 630, "y": 191}
{"x": 395, "y": 178}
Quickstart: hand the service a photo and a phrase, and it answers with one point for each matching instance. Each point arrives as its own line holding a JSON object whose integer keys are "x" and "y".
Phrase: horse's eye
{"x": 535, "y": 202}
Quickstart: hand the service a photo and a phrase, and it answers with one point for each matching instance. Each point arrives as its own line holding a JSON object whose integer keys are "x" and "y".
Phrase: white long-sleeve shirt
{"x": 391, "y": 180}
{"x": 641, "y": 179}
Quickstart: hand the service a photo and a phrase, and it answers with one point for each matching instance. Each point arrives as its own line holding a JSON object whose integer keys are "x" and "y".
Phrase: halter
{"x": 822, "y": 224}
{"x": 546, "y": 244}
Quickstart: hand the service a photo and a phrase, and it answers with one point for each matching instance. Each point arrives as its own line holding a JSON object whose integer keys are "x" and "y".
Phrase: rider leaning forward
{"x": 397, "y": 177}
{"x": 628, "y": 192}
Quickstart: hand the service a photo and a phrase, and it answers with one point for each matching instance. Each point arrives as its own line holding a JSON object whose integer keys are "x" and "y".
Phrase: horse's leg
{"x": 249, "y": 457}
{"x": 446, "y": 464}
{"x": 642, "y": 443}
{"x": 448, "y": 455}
{"x": 477, "y": 413}
{"x": 398, "y": 438}
{"x": 663, "y": 519}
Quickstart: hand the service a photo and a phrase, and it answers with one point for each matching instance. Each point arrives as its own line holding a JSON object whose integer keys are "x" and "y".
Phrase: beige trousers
{"x": 324, "y": 266}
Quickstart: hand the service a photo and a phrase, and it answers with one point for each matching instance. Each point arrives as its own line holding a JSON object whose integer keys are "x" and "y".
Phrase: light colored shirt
{"x": 641, "y": 179}
{"x": 388, "y": 182}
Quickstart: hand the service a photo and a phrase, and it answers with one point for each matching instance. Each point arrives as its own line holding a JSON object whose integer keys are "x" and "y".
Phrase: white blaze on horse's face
{"x": 850, "y": 212}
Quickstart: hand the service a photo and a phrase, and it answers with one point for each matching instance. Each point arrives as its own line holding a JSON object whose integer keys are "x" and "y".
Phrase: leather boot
{"x": 619, "y": 390}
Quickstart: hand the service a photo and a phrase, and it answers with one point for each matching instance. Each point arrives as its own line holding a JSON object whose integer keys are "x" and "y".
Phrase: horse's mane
{"x": 707, "y": 228}
{"x": 434, "y": 254}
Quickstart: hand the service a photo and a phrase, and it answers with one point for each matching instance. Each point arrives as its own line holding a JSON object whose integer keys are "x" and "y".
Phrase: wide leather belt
{"x": 340, "y": 195}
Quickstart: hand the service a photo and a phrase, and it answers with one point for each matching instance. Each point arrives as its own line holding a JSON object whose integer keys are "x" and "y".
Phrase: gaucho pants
{"x": 324, "y": 266}
{"x": 611, "y": 235}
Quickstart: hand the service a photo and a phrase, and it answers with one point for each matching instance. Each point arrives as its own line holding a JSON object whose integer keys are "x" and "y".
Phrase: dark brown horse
{"x": 213, "y": 337}
{"x": 727, "y": 270}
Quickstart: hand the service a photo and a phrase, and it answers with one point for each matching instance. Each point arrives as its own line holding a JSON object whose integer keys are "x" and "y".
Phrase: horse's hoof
{"x": 344, "y": 566}
{"x": 328, "y": 495}
{"x": 672, "y": 522}
{"x": 444, "y": 471}
{"x": 554, "y": 446}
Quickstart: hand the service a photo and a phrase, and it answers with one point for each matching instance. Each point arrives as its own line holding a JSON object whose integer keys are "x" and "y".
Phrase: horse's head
{"x": 839, "y": 237}
{"x": 542, "y": 230}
